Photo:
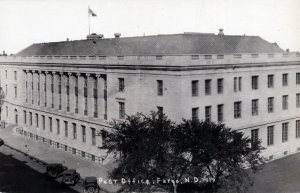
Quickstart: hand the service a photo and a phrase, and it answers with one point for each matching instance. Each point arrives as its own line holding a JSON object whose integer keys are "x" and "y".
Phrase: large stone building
{"x": 64, "y": 93}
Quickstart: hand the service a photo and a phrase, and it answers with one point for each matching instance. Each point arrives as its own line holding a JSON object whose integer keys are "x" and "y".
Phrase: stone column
{"x": 80, "y": 94}
{"x": 72, "y": 92}
{"x": 42, "y": 89}
{"x": 55, "y": 83}
{"x": 39, "y": 96}
{"x": 90, "y": 88}
{"x": 64, "y": 80}
{"x": 100, "y": 96}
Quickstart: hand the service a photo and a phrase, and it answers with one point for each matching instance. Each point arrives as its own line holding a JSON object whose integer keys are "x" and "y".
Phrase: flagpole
{"x": 89, "y": 22}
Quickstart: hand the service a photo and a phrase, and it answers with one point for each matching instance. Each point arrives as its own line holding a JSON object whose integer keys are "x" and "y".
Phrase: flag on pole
{"x": 91, "y": 12}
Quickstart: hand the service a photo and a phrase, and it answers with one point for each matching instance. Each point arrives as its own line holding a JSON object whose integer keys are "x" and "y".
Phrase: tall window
{"x": 25, "y": 117}
{"x": 208, "y": 113}
{"x": 270, "y": 140}
{"x": 237, "y": 109}
{"x": 285, "y": 99}
{"x": 298, "y": 100}
{"x": 68, "y": 92}
{"x": 95, "y": 94}
{"x": 121, "y": 85}
{"x": 297, "y": 78}
{"x": 30, "y": 118}
{"x": 58, "y": 126}
{"x": 270, "y": 104}
{"x": 85, "y": 96}
{"x": 59, "y": 91}
{"x": 284, "y": 79}
{"x": 83, "y": 133}
{"x": 220, "y": 85}
{"x": 76, "y": 94}
{"x": 104, "y": 137}
{"x": 37, "y": 119}
{"x": 297, "y": 128}
{"x": 6, "y": 90}
{"x": 220, "y": 112}
{"x": 43, "y": 122}
{"x": 93, "y": 131}
{"x": 195, "y": 84}
{"x": 50, "y": 124}
{"x": 237, "y": 84}
{"x": 15, "y": 75}
{"x": 66, "y": 128}
{"x": 74, "y": 131}
{"x": 254, "y": 138}
{"x": 208, "y": 87}
{"x": 254, "y": 82}
{"x": 121, "y": 110}
{"x": 285, "y": 132}
{"x": 270, "y": 81}
{"x": 52, "y": 90}
{"x": 254, "y": 107}
{"x": 16, "y": 91}
{"x": 159, "y": 87}
{"x": 195, "y": 113}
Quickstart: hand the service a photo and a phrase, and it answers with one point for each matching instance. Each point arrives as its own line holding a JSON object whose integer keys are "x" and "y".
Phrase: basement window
{"x": 159, "y": 57}
{"x": 208, "y": 57}
{"x": 237, "y": 56}
{"x": 195, "y": 57}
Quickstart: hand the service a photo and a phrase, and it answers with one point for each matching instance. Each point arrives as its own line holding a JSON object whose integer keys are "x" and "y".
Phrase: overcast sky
{"x": 23, "y": 22}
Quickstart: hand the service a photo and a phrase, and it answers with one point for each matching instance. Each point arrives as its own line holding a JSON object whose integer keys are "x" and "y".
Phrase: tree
{"x": 2, "y": 97}
{"x": 155, "y": 148}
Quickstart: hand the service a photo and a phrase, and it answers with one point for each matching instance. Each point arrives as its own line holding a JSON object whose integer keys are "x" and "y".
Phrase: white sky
{"x": 23, "y": 22}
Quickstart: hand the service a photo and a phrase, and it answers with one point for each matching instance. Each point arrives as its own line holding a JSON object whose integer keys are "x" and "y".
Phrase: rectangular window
{"x": 237, "y": 109}
{"x": 16, "y": 91}
{"x": 104, "y": 137}
{"x": 37, "y": 119}
{"x": 6, "y": 74}
{"x": 85, "y": 111}
{"x": 83, "y": 133}
{"x": 195, "y": 84}
{"x": 39, "y": 91}
{"x": 121, "y": 110}
{"x": 220, "y": 112}
{"x": 240, "y": 83}
{"x": 95, "y": 94}
{"x": 208, "y": 113}
{"x": 159, "y": 87}
{"x": 270, "y": 140}
{"x": 285, "y": 99}
{"x": 220, "y": 85}
{"x": 121, "y": 85}
{"x": 195, "y": 113}
{"x": 50, "y": 124}
{"x": 208, "y": 87}
{"x": 254, "y": 137}
{"x": 297, "y": 78}
{"x": 270, "y": 81}
{"x": 297, "y": 128}
{"x": 45, "y": 90}
{"x": 76, "y": 94}
{"x": 254, "y": 107}
{"x": 93, "y": 131}
{"x": 52, "y": 90}
{"x": 74, "y": 131}
{"x": 43, "y": 122}
{"x": 26, "y": 87}
{"x": 58, "y": 126}
{"x": 237, "y": 84}
{"x": 298, "y": 100}
{"x": 59, "y": 91}
{"x": 25, "y": 117}
{"x": 15, "y": 75}
{"x": 254, "y": 82}
{"x": 270, "y": 104}
{"x": 30, "y": 118}
{"x": 284, "y": 79}
{"x": 66, "y": 128}
{"x": 285, "y": 132}
{"x": 32, "y": 88}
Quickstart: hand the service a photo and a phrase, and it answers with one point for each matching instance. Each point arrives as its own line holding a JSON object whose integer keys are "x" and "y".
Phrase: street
{"x": 17, "y": 176}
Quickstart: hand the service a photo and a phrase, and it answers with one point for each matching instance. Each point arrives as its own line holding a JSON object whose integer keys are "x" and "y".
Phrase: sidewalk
{"x": 52, "y": 155}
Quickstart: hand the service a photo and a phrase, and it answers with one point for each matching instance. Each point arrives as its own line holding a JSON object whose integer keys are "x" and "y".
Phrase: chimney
{"x": 221, "y": 33}
{"x": 117, "y": 35}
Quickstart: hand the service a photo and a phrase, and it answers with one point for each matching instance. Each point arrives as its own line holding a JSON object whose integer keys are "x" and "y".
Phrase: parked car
{"x": 1, "y": 142}
{"x": 69, "y": 177}
{"x": 90, "y": 185}
{"x": 54, "y": 169}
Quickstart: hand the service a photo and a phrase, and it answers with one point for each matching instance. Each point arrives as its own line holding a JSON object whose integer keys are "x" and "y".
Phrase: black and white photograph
{"x": 149, "y": 96}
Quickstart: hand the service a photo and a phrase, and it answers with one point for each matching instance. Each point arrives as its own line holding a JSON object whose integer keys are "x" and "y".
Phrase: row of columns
{"x": 38, "y": 92}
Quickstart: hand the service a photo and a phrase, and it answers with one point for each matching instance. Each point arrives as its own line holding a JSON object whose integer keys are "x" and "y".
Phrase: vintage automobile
{"x": 54, "y": 169}
{"x": 69, "y": 177}
{"x": 90, "y": 185}
{"x": 1, "y": 142}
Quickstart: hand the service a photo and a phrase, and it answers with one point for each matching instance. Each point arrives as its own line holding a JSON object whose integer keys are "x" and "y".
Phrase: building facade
{"x": 66, "y": 93}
